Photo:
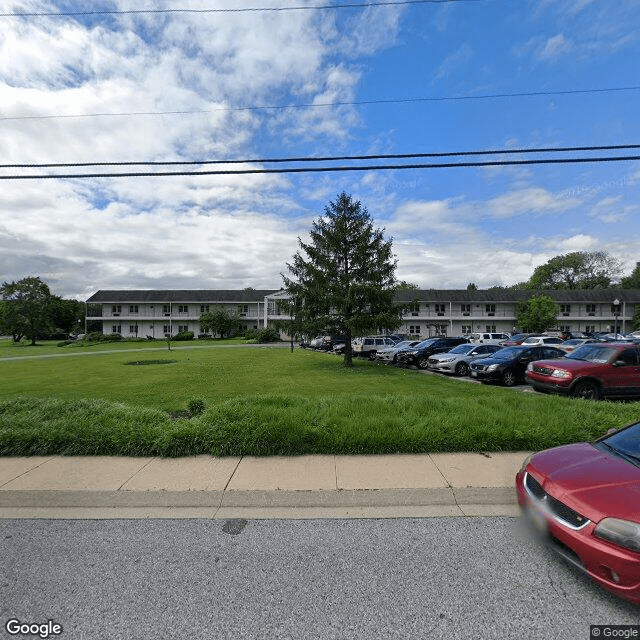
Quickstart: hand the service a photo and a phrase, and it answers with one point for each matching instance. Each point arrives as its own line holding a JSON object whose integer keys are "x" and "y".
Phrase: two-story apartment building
{"x": 428, "y": 311}
{"x": 158, "y": 313}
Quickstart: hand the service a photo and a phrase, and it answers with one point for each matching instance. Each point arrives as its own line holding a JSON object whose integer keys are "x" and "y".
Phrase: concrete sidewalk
{"x": 426, "y": 485}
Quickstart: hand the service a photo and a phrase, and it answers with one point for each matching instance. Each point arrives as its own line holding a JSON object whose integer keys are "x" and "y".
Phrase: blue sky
{"x": 411, "y": 78}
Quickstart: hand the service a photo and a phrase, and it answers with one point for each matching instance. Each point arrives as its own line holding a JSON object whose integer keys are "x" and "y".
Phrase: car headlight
{"x": 446, "y": 360}
{"x": 621, "y": 532}
{"x": 560, "y": 373}
{"x": 492, "y": 367}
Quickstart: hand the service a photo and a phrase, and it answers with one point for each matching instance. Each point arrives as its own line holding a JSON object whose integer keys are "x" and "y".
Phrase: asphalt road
{"x": 439, "y": 578}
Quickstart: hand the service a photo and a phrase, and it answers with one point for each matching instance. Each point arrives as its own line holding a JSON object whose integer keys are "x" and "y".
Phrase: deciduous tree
{"x": 538, "y": 314}
{"x": 26, "y": 308}
{"x": 577, "y": 270}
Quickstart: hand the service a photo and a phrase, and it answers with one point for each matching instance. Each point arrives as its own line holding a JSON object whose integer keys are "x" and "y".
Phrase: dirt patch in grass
{"x": 139, "y": 362}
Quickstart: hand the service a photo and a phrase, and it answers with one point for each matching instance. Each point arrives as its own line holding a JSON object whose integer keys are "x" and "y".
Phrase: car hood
{"x": 594, "y": 483}
{"x": 569, "y": 365}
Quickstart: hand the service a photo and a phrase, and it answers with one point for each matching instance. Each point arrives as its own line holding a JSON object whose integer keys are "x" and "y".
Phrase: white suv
{"x": 488, "y": 338}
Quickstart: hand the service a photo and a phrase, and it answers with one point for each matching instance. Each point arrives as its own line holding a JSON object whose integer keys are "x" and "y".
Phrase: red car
{"x": 585, "y": 498}
{"x": 593, "y": 371}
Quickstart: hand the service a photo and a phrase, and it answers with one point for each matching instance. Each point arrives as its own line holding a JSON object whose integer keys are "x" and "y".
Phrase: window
{"x": 590, "y": 328}
{"x": 465, "y": 309}
{"x": 166, "y": 309}
{"x": 166, "y": 329}
{"x": 243, "y": 309}
{"x": 565, "y": 328}
{"x": 491, "y": 311}
{"x": 182, "y": 328}
{"x": 591, "y": 309}
{"x": 629, "y": 357}
{"x": 565, "y": 309}
{"x": 183, "y": 308}
{"x": 414, "y": 329}
{"x": 204, "y": 308}
{"x": 414, "y": 309}
{"x": 133, "y": 308}
{"x": 466, "y": 329}
{"x": 440, "y": 309}
{"x": 116, "y": 310}
{"x": 490, "y": 328}
{"x": 116, "y": 328}
{"x": 133, "y": 328}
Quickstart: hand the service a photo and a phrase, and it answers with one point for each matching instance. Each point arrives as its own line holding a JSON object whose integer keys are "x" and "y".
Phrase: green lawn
{"x": 269, "y": 401}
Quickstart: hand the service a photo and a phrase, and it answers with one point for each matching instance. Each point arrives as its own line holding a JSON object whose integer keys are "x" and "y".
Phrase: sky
{"x": 213, "y": 80}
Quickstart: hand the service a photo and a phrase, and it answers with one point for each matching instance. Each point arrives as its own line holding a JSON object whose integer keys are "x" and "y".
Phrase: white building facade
{"x": 158, "y": 313}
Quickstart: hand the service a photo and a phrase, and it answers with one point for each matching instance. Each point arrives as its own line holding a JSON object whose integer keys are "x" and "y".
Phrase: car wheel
{"x": 462, "y": 369}
{"x": 423, "y": 362}
{"x": 509, "y": 378}
{"x": 372, "y": 355}
{"x": 586, "y": 390}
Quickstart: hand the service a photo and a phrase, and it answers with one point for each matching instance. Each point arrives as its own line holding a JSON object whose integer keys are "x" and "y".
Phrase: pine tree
{"x": 343, "y": 280}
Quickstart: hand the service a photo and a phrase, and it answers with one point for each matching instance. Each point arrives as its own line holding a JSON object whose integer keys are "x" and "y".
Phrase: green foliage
{"x": 577, "y": 270}
{"x": 632, "y": 281}
{"x": 536, "y": 314}
{"x": 343, "y": 280}
{"x": 196, "y": 405}
{"x": 26, "y": 310}
{"x": 221, "y": 321}
{"x": 183, "y": 336}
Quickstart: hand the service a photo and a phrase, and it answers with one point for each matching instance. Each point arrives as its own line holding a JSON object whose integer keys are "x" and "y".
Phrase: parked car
{"x": 584, "y": 500}
{"x": 419, "y": 355}
{"x": 516, "y": 338}
{"x": 488, "y": 338}
{"x": 389, "y": 354}
{"x": 508, "y": 365}
{"x": 574, "y": 343}
{"x": 531, "y": 340}
{"x": 368, "y": 347}
{"x": 457, "y": 360}
{"x": 593, "y": 371}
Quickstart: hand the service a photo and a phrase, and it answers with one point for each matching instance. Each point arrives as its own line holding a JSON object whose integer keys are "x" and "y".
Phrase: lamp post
{"x": 616, "y": 313}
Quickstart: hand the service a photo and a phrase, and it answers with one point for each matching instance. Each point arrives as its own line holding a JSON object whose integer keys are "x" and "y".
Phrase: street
{"x": 396, "y": 578}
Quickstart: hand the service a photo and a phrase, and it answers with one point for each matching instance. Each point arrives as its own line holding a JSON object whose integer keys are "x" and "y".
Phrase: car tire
{"x": 509, "y": 378}
{"x": 372, "y": 355}
{"x": 462, "y": 369}
{"x": 587, "y": 390}
{"x": 423, "y": 362}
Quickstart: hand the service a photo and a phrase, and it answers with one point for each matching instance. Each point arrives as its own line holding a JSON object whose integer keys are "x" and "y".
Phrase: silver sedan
{"x": 388, "y": 355}
{"x": 457, "y": 360}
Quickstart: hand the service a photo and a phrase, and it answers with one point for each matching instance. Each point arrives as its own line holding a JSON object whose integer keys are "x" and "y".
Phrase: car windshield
{"x": 572, "y": 342}
{"x": 518, "y": 336}
{"x": 507, "y": 353}
{"x": 596, "y": 353}
{"x": 427, "y": 343}
{"x": 463, "y": 348}
{"x": 532, "y": 340}
{"x": 399, "y": 345}
{"x": 625, "y": 443}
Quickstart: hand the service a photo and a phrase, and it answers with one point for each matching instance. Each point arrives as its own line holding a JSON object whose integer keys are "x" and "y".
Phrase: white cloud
{"x": 534, "y": 200}
{"x": 454, "y": 62}
{"x": 554, "y": 47}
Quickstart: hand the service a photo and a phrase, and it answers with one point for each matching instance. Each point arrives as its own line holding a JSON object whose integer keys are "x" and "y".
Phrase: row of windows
{"x": 181, "y": 308}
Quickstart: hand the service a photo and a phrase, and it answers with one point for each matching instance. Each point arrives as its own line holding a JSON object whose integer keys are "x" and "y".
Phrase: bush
{"x": 196, "y": 405}
{"x": 112, "y": 337}
{"x": 267, "y": 335}
{"x": 183, "y": 335}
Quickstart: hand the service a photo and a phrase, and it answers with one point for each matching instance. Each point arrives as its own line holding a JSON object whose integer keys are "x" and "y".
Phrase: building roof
{"x": 180, "y": 295}
{"x": 407, "y": 295}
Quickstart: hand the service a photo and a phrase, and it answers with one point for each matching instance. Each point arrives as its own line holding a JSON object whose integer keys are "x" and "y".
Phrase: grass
{"x": 262, "y": 401}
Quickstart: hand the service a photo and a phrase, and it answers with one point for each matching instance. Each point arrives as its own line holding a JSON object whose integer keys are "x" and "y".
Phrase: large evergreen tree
{"x": 343, "y": 280}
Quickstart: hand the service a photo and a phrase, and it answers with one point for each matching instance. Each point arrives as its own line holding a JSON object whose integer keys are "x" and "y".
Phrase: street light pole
{"x": 616, "y": 312}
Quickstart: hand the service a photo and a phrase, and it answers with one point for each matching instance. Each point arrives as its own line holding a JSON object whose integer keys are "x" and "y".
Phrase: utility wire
{"x": 354, "y": 5}
{"x": 487, "y": 96}
{"x": 449, "y": 165}
{"x": 445, "y": 154}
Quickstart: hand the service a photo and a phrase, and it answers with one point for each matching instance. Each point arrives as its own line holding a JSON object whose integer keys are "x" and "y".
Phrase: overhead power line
{"x": 486, "y": 96}
{"x": 351, "y": 5}
{"x": 388, "y": 156}
{"x": 448, "y": 165}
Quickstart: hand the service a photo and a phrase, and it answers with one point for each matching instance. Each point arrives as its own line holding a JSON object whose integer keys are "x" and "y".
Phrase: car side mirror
{"x": 611, "y": 431}
{"x": 619, "y": 363}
